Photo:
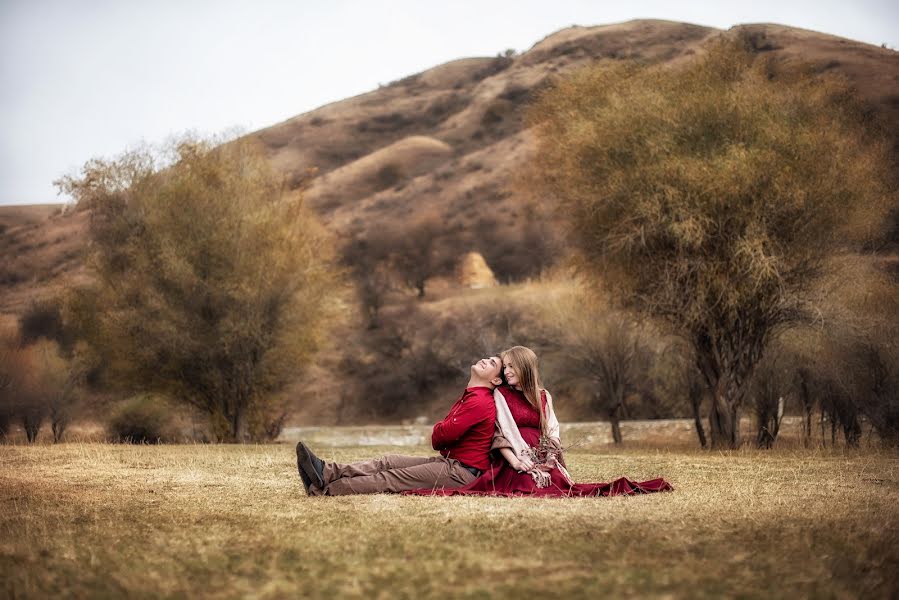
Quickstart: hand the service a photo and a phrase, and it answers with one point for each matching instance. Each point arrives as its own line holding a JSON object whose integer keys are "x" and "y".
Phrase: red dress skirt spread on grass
{"x": 502, "y": 480}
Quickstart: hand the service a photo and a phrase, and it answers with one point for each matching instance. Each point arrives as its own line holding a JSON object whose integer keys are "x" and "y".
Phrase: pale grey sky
{"x": 86, "y": 78}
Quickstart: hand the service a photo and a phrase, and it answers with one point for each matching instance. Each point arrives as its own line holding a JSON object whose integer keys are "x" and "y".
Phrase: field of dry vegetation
{"x": 101, "y": 520}
{"x": 291, "y": 329}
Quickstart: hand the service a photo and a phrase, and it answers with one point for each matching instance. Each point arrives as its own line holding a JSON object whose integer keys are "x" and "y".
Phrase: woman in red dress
{"x": 527, "y": 439}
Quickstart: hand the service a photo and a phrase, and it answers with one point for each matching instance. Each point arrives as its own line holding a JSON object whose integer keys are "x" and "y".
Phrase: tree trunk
{"x": 724, "y": 423}
{"x": 769, "y": 417}
{"x": 695, "y": 401}
{"x": 58, "y": 427}
{"x": 59, "y": 420}
{"x": 807, "y": 427}
{"x": 32, "y": 428}
{"x": 239, "y": 424}
{"x": 616, "y": 428}
{"x": 808, "y": 408}
{"x": 852, "y": 430}
{"x": 833, "y": 432}
{"x": 727, "y": 354}
{"x": 615, "y": 412}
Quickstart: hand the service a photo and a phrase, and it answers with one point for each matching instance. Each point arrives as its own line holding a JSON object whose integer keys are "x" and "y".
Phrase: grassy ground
{"x": 99, "y": 520}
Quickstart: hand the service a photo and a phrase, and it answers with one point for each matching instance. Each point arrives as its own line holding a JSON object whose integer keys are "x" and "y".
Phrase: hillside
{"x": 42, "y": 247}
{"x": 447, "y": 144}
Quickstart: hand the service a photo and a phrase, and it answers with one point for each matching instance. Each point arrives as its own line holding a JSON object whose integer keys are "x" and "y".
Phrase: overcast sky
{"x": 86, "y": 78}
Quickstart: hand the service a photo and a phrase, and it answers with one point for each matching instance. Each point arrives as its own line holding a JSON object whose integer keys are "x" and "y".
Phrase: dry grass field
{"x": 102, "y": 520}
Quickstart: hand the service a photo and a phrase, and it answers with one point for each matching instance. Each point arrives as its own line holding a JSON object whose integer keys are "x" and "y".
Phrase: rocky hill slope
{"x": 447, "y": 144}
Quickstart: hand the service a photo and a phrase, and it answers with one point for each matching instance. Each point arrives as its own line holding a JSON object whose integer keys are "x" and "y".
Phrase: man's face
{"x": 488, "y": 369}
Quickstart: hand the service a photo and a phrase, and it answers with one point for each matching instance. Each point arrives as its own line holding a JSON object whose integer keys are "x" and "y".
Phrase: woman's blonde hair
{"x": 524, "y": 363}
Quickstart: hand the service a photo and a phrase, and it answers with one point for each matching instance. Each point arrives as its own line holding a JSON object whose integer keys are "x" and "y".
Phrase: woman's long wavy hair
{"x": 524, "y": 362}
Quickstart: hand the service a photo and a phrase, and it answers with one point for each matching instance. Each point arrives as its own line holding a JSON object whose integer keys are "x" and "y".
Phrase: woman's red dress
{"x": 502, "y": 480}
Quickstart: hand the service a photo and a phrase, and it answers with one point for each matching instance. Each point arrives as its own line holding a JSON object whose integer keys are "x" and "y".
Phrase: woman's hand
{"x": 524, "y": 464}
{"x": 519, "y": 464}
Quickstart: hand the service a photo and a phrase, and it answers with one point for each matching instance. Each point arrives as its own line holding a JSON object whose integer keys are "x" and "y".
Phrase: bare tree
{"x": 57, "y": 383}
{"x": 416, "y": 254}
{"x": 18, "y": 398}
{"x": 32, "y": 413}
{"x": 804, "y": 393}
{"x": 368, "y": 260}
{"x": 842, "y": 412}
{"x": 768, "y": 389}
{"x": 880, "y": 396}
{"x": 606, "y": 349}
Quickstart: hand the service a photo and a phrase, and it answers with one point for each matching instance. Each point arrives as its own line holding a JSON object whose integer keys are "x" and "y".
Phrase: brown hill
{"x": 346, "y": 185}
{"x": 41, "y": 246}
{"x": 447, "y": 143}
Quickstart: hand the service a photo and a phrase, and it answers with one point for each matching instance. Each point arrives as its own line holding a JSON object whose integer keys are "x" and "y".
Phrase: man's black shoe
{"x": 310, "y": 465}
{"x": 301, "y": 456}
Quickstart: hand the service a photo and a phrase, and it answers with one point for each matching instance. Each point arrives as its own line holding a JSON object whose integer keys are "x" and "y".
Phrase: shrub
{"x": 41, "y": 319}
{"x": 388, "y": 176}
{"x": 142, "y": 419}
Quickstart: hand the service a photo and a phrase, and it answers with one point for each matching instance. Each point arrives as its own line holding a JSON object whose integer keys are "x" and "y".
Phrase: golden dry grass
{"x": 99, "y": 520}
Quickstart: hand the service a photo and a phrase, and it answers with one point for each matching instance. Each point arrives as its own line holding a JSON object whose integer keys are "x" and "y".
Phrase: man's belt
{"x": 472, "y": 470}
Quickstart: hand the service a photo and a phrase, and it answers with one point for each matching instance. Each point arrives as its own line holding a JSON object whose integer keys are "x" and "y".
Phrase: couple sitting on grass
{"x": 500, "y": 438}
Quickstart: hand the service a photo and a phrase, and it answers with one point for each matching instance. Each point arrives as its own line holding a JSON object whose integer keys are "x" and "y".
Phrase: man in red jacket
{"x": 463, "y": 439}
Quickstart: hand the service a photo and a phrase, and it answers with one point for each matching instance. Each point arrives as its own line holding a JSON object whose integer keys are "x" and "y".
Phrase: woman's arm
{"x": 552, "y": 423}
{"x": 554, "y": 433}
{"x": 519, "y": 464}
{"x": 557, "y": 446}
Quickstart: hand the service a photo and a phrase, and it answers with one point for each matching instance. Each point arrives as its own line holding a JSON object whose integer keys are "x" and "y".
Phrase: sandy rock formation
{"x": 474, "y": 272}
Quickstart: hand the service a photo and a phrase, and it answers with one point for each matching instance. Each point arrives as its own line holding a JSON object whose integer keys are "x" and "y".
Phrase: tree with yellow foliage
{"x": 213, "y": 280}
{"x": 712, "y": 196}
